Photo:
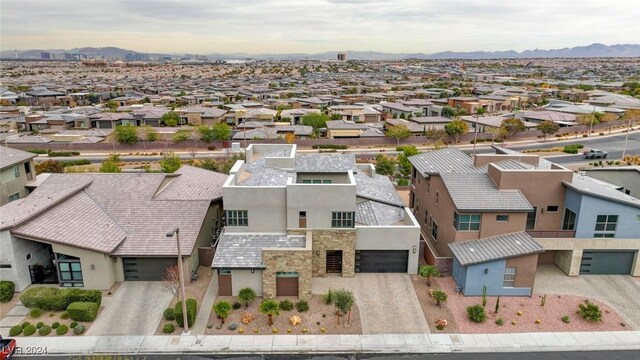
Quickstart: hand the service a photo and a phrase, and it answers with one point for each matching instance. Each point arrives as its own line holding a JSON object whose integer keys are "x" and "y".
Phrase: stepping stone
{"x": 18, "y": 310}
{"x": 10, "y": 321}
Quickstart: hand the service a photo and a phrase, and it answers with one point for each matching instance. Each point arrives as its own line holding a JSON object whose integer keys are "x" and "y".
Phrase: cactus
{"x": 497, "y": 304}
{"x": 543, "y": 300}
{"x": 484, "y": 295}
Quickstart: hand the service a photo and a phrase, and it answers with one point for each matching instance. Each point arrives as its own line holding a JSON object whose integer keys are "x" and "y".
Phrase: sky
{"x": 310, "y": 26}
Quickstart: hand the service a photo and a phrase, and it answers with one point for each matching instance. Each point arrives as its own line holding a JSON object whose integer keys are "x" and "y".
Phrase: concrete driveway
{"x": 618, "y": 291}
{"x": 387, "y": 302}
{"x": 135, "y": 309}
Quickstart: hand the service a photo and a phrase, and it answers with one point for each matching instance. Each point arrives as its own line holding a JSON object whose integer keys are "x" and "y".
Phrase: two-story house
{"x": 16, "y": 170}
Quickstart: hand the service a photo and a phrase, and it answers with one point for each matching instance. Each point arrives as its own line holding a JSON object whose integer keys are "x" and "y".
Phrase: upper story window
{"x": 606, "y": 226}
{"x": 552, "y": 208}
{"x": 434, "y": 230}
{"x": 14, "y": 197}
{"x": 236, "y": 217}
{"x": 502, "y": 218}
{"x": 437, "y": 196}
{"x": 342, "y": 219}
{"x": 466, "y": 222}
{"x": 16, "y": 171}
{"x": 317, "y": 181}
{"x": 569, "y": 220}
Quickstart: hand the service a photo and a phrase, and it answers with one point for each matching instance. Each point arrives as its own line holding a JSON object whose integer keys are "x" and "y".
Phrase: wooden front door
{"x": 302, "y": 220}
{"x": 334, "y": 261}
{"x": 224, "y": 284}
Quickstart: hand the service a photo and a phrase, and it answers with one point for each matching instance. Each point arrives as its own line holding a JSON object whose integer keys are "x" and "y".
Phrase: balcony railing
{"x": 550, "y": 234}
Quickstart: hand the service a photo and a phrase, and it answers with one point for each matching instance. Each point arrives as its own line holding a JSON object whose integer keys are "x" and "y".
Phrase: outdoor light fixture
{"x": 176, "y": 231}
{"x": 414, "y": 249}
{"x": 486, "y": 270}
{"x": 317, "y": 253}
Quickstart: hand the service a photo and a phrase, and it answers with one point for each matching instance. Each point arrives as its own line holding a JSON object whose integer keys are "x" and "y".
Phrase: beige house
{"x": 16, "y": 170}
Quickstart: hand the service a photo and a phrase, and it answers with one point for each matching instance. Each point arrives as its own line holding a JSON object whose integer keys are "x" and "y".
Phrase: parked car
{"x": 7, "y": 348}
{"x": 595, "y": 153}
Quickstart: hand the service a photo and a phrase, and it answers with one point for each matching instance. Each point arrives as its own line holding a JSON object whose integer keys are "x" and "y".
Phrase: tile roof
{"x": 378, "y": 188}
{"x": 192, "y": 183}
{"x": 325, "y": 163}
{"x": 447, "y": 160}
{"x": 477, "y": 192}
{"x": 495, "y": 248}
{"x": 374, "y": 213}
{"x": 245, "y": 250}
{"x": 10, "y": 157}
{"x": 345, "y": 125}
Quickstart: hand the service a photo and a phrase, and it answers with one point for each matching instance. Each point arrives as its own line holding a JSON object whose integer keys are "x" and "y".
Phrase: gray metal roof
{"x": 325, "y": 163}
{"x": 600, "y": 189}
{"x": 378, "y": 188}
{"x": 373, "y": 213}
{"x": 513, "y": 165}
{"x": 495, "y": 248}
{"x": 447, "y": 160}
{"x": 245, "y": 250}
{"x": 10, "y": 157}
{"x": 477, "y": 192}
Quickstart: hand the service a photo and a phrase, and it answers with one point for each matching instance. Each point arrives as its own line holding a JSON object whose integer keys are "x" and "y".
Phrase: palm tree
{"x": 428, "y": 271}
{"x": 439, "y": 296}
{"x": 246, "y": 296}
{"x": 222, "y": 310}
{"x": 270, "y": 308}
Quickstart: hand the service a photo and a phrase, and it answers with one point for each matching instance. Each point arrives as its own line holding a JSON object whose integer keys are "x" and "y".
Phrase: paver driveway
{"x": 387, "y": 302}
{"x": 135, "y": 309}
{"x": 618, "y": 291}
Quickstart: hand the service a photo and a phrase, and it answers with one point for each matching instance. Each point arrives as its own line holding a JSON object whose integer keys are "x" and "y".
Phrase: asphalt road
{"x": 578, "y": 355}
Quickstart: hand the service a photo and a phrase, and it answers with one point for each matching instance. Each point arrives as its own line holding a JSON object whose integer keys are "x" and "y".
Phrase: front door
{"x": 302, "y": 220}
{"x": 334, "y": 261}
{"x": 224, "y": 283}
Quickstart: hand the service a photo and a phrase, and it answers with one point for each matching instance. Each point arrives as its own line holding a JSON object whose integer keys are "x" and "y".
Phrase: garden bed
{"x": 319, "y": 316}
{"x": 431, "y": 311}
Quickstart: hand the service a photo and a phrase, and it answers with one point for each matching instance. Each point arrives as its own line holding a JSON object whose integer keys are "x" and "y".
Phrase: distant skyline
{"x": 309, "y": 26}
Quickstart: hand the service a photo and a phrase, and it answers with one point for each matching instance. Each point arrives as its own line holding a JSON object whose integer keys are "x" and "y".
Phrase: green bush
{"x": 403, "y": 182}
{"x": 500, "y": 322}
{"x": 73, "y": 324}
{"x": 328, "y": 298}
{"x": 39, "y": 325}
{"x": 79, "y": 330}
{"x": 45, "y": 330}
{"x": 302, "y": 306}
{"x": 55, "y": 299}
{"x": 37, "y": 151}
{"x": 7, "y": 288}
{"x": 330, "y": 146}
{"x": 35, "y": 313}
{"x": 55, "y": 325}
{"x": 64, "y": 315}
{"x": 590, "y": 311}
{"x": 286, "y": 305}
{"x": 476, "y": 313}
{"x": 169, "y": 314}
{"x": 192, "y": 310}
{"x": 63, "y": 153}
{"x": 236, "y": 305}
{"x": 566, "y": 319}
{"x": 76, "y": 162}
{"x": 15, "y": 330}
{"x": 168, "y": 328}
{"x": 62, "y": 329}
{"x": 83, "y": 311}
{"x": 29, "y": 330}
{"x": 25, "y": 324}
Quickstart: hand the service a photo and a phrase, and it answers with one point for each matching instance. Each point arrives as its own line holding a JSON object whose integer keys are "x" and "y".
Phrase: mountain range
{"x": 593, "y": 50}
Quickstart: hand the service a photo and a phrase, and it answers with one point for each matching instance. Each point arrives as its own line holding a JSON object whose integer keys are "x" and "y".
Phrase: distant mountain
{"x": 593, "y": 50}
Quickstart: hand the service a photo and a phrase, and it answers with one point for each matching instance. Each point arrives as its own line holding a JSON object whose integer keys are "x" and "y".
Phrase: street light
{"x": 593, "y": 116}
{"x": 176, "y": 231}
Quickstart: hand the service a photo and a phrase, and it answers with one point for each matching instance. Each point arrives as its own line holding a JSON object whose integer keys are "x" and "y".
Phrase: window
{"x": 305, "y": 181}
{"x": 303, "y": 214}
{"x": 316, "y": 181}
{"x": 5, "y": 266}
{"x": 426, "y": 217}
{"x": 531, "y": 218}
{"x": 552, "y": 208}
{"x": 326, "y": 181}
{"x": 434, "y": 230}
{"x": 569, "y": 221}
{"x": 356, "y": 118}
{"x": 606, "y": 226}
{"x": 502, "y": 218}
{"x": 437, "y": 198}
{"x": 70, "y": 274}
{"x": 637, "y": 217}
{"x": 509, "y": 277}
{"x": 237, "y": 217}
{"x": 14, "y": 197}
{"x": 16, "y": 171}
{"x": 466, "y": 222}
{"x": 29, "y": 256}
{"x": 341, "y": 219}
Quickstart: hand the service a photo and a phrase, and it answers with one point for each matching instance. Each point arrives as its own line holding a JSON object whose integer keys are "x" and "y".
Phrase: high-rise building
{"x": 342, "y": 57}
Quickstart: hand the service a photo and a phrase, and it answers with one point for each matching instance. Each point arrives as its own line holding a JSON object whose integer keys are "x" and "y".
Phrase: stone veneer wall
{"x": 287, "y": 260}
{"x": 323, "y": 240}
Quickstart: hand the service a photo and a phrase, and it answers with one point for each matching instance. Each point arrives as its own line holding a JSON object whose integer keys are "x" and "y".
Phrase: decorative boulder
{"x": 295, "y": 320}
{"x": 247, "y": 318}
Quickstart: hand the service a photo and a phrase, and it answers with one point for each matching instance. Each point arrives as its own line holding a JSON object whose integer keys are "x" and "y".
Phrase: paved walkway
{"x": 135, "y": 309}
{"x": 15, "y": 316}
{"x": 387, "y": 302}
{"x": 205, "y": 308}
{"x": 618, "y": 291}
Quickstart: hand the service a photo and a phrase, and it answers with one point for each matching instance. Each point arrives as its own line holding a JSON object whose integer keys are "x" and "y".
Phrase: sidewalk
{"x": 383, "y": 343}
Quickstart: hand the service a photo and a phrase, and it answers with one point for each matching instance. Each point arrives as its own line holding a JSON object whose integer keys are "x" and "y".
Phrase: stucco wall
{"x": 243, "y": 278}
{"x": 391, "y": 238}
{"x": 492, "y": 277}
{"x": 10, "y": 185}
{"x": 629, "y": 179}
{"x": 101, "y": 276}
{"x": 526, "y": 273}
{"x": 14, "y": 251}
{"x": 324, "y": 240}
{"x": 319, "y": 201}
{"x": 266, "y": 208}
{"x": 205, "y": 236}
{"x": 628, "y": 226}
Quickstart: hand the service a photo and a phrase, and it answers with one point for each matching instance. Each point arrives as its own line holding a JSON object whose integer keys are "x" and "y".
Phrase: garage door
{"x": 287, "y": 284}
{"x": 606, "y": 262}
{"x": 146, "y": 269}
{"x": 382, "y": 261}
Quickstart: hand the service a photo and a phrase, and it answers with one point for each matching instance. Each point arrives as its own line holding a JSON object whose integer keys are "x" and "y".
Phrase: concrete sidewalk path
{"x": 205, "y": 309}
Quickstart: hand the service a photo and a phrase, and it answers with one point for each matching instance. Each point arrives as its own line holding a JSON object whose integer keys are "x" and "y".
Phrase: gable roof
{"x": 10, "y": 157}
{"x": 495, "y": 248}
{"x": 192, "y": 183}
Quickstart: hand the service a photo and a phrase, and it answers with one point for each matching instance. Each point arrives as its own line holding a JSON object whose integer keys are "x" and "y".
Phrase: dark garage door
{"x": 146, "y": 269}
{"x": 606, "y": 262}
{"x": 286, "y": 284}
{"x": 382, "y": 261}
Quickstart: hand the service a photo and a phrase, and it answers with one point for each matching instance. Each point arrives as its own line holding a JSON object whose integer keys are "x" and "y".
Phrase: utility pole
{"x": 475, "y": 136}
{"x": 626, "y": 139}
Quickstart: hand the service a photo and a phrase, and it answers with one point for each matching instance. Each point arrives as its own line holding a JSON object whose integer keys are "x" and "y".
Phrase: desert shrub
{"x": 63, "y": 153}
{"x": 39, "y": 325}
{"x": 15, "y": 330}
{"x": 286, "y": 305}
{"x": 55, "y": 325}
{"x": 55, "y": 299}
{"x": 45, "y": 330}
{"x": 302, "y": 306}
{"x": 79, "y": 330}
{"x": 168, "y": 328}
{"x": 25, "y": 324}
{"x": 328, "y": 298}
{"x": 192, "y": 310}
{"x": 236, "y": 305}
{"x": 64, "y": 316}
{"x": 62, "y": 329}
{"x": 73, "y": 324}
{"x": 29, "y": 330}
{"x": 500, "y": 322}
{"x": 246, "y": 296}
{"x": 330, "y": 146}
{"x": 566, "y": 319}
{"x": 169, "y": 314}
{"x": 476, "y": 313}
{"x": 37, "y": 151}
{"x": 35, "y": 313}
{"x": 7, "y": 288}
{"x": 83, "y": 311}
{"x": 403, "y": 182}
{"x": 590, "y": 311}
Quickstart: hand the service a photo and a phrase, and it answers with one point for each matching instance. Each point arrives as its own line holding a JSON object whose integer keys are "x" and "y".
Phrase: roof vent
{"x": 472, "y": 249}
{"x": 518, "y": 242}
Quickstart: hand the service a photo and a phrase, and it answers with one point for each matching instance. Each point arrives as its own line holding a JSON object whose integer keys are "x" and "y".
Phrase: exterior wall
{"x": 104, "y": 271}
{"x": 287, "y": 260}
{"x": 483, "y": 159}
{"x": 629, "y": 179}
{"x": 590, "y": 207}
{"x": 331, "y": 134}
{"x": 205, "y": 237}
{"x": 335, "y": 178}
{"x": 266, "y": 206}
{"x": 526, "y": 273}
{"x": 10, "y": 185}
{"x": 243, "y": 278}
{"x": 14, "y": 251}
{"x": 489, "y": 274}
{"x": 313, "y": 199}
{"x": 323, "y": 240}
{"x": 491, "y": 227}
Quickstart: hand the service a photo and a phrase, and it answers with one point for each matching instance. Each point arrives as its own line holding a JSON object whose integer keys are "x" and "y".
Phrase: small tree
{"x": 181, "y": 136}
{"x": 221, "y": 131}
{"x": 171, "y": 279}
{"x": 206, "y": 133}
{"x": 170, "y": 163}
{"x": 111, "y": 165}
{"x": 398, "y": 132}
{"x": 111, "y": 105}
{"x": 150, "y": 134}
{"x": 222, "y": 310}
{"x": 481, "y": 111}
{"x": 404, "y": 165}
{"x": 315, "y": 120}
{"x": 270, "y": 308}
{"x": 440, "y": 296}
{"x": 385, "y": 165}
{"x": 508, "y": 127}
{"x": 49, "y": 166}
{"x": 126, "y": 134}
{"x": 456, "y": 128}
{"x": 448, "y": 111}
{"x": 170, "y": 118}
{"x": 246, "y": 296}
{"x": 209, "y": 164}
{"x": 548, "y": 128}
{"x": 343, "y": 300}
{"x": 428, "y": 271}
